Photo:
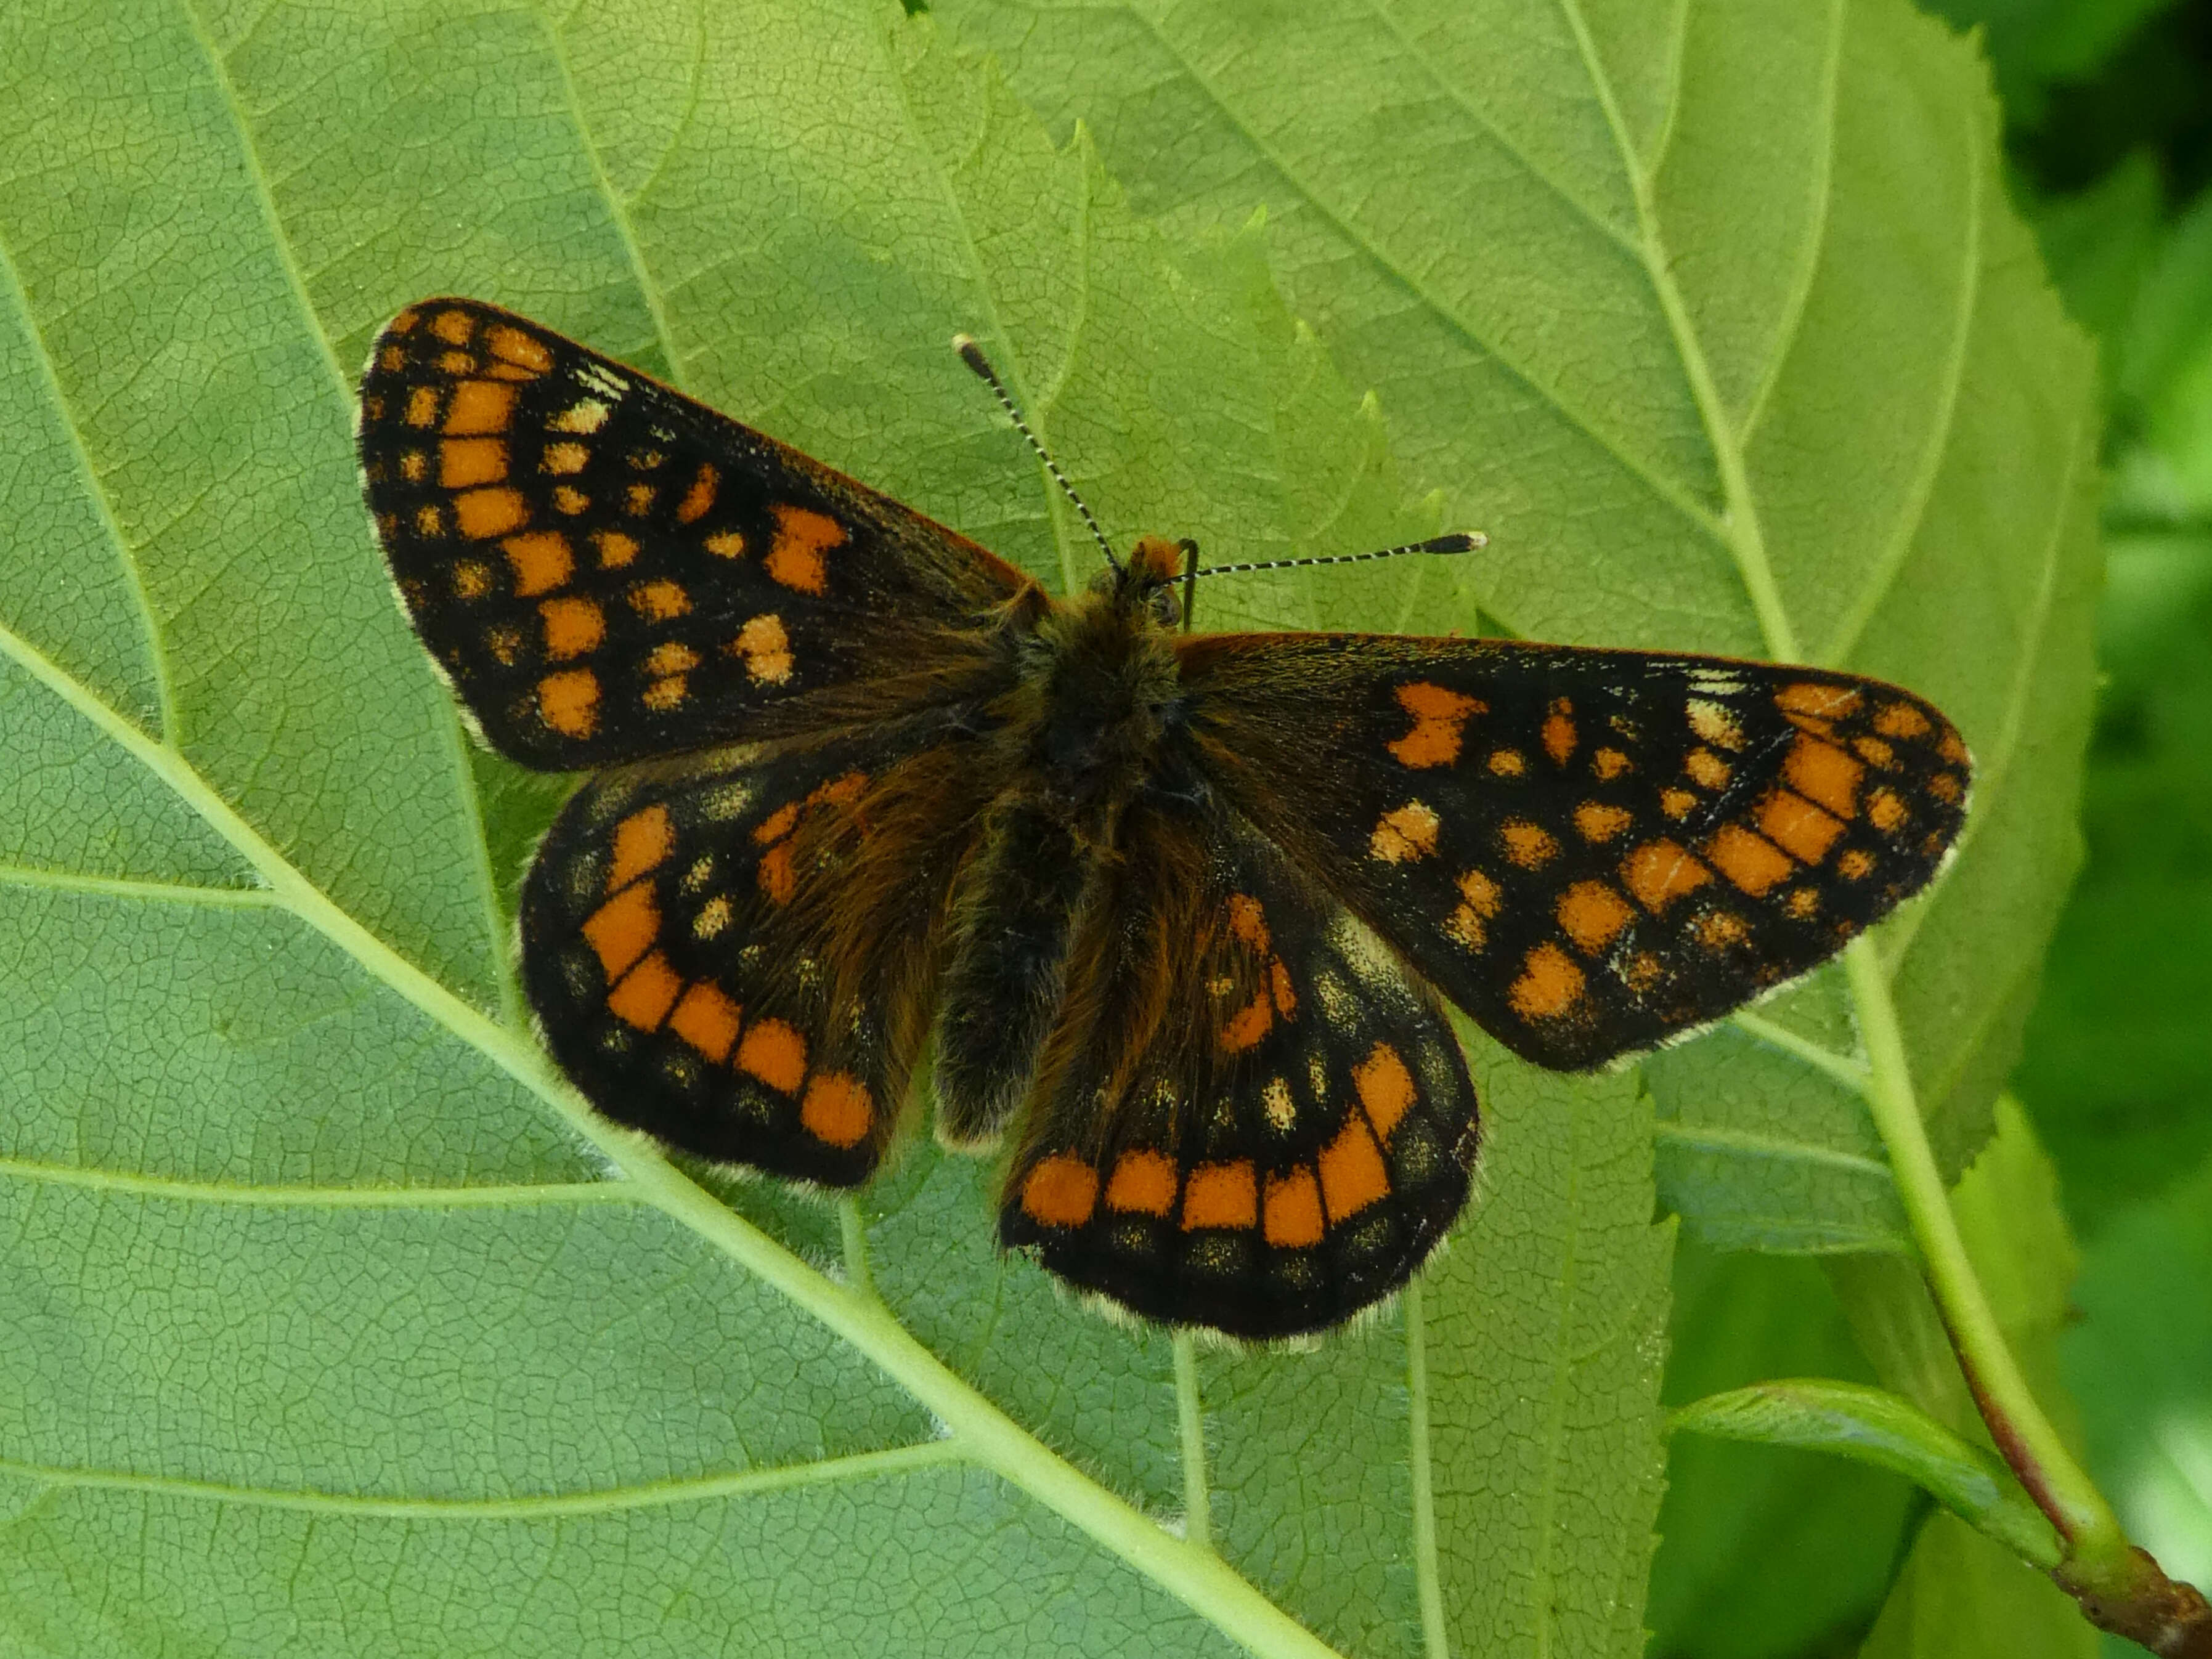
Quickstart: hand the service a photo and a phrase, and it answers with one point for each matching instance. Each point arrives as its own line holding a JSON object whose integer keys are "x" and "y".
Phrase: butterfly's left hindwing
{"x": 733, "y": 951}
{"x": 1251, "y": 1115}
{"x": 1589, "y": 851}
{"x": 607, "y": 570}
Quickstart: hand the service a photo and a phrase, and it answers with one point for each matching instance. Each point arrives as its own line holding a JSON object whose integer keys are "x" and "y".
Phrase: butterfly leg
{"x": 1013, "y": 917}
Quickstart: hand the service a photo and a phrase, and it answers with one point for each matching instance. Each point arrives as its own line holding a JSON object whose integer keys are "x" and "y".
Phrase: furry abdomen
{"x": 1084, "y": 730}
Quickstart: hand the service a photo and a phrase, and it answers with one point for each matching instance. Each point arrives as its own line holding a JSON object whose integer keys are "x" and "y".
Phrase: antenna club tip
{"x": 971, "y": 354}
{"x": 1460, "y": 541}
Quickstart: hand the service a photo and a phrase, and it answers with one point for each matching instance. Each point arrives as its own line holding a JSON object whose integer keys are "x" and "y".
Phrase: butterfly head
{"x": 1146, "y": 582}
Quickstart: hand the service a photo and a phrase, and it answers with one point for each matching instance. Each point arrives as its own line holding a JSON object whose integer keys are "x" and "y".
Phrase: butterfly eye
{"x": 1166, "y": 609}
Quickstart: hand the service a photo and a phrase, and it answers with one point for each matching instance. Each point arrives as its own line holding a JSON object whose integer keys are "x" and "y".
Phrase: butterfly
{"x": 1177, "y": 914}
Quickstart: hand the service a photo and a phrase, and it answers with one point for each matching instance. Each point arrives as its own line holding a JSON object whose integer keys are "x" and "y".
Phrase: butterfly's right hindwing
{"x": 1251, "y": 1115}
{"x": 607, "y": 570}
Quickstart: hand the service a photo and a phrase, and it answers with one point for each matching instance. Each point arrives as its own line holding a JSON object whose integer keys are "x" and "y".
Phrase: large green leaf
{"x": 336, "y": 1323}
{"x": 1716, "y": 317}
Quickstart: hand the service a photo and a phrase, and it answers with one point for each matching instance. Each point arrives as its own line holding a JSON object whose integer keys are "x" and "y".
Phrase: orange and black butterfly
{"x": 1181, "y": 910}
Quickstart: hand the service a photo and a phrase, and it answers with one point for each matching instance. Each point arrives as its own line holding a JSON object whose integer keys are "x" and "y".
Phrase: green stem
{"x": 2026, "y": 1437}
{"x": 1197, "y": 1500}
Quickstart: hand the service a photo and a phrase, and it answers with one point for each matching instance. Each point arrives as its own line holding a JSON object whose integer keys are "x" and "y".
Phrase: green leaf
{"x": 1763, "y": 1550}
{"x": 337, "y": 1324}
{"x": 1716, "y": 319}
{"x": 1887, "y": 1431}
{"x": 1962, "y": 1595}
{"x": 1959, "y": 1586}
{"x": 2140, "y": 1361}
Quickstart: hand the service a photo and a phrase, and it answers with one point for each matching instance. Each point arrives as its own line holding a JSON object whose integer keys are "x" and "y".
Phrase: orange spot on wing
{"x": 1404, "y": 833}
{"x": 1592, "y": 914}
{"x": 839, "y": 791}
{"x": 1352, "y": 1172}
{"x": 1385, "y": 1088}
{"x": 471, "y": 581}
{"x": 518, "y": 348}
{"x": 616, "y": 550}
{"x": 775, "y": 875}
{"x": 1855, "y": 865}
{"x": 1508, "y": 763}
{"x": 1060, "y": 1191}
{"x": 1798, "y": 827}
{"x": 541, "y": 560}
{"x": 1608, "y": 763}
{"x": 569, "y": 701}
{"x": 1824, "y": 774}
{"x": 1885, "y": 810}
{"x": 837, "y": 1109}
{"x": 564, "y": 459}
{"x": 1827, "y": 703}
{"x": 707, "y": 1020}
{"x": 423, "y": 406}
{"x": 659, "y": 601}
{"x": 1598, "y": 821}
{"x": 701, "y": 496}
{"x": 1279, "y": 983}
{"x": 765, "y": 649}
{"x": 1752, "y": 864}
{"x": 1248, "y": 1024}
{"x": 1560, "y": 732}
{"x": 1706, "y": 769}
{"x": 621, "y": 929}
{"x": 665, "y": 695}
{"x": 802, "y": 537}
{"x": 1660, "y": 872}
{"x": 1528, "y": 845}
{"x": 1549, "y": 985}
{"x": 645, "y": 993}
{"x": 454, "y": 327}
{"x": 727, "y": 545}
{"x": 465, "y": 461}
{"x": 643, "y": 841}
{"x": 1291, "y": 1219}
{"x": 1247, "y": 920}
{"x": 480, "y": 406}
{"x": 671, "y": 657}
{"x": 1221, "y": 1195}
{"x": 483, "y": 514}
{"x": 573, "y": 627}
{"x": 1438, "y": 715}
{"x": 777, "y": 825}
{"x": 1144, "y": 1183}
{"x": 1900, "y": 720}
{"x": 775, "y": 1053}
{"x": 1480, "y": 892}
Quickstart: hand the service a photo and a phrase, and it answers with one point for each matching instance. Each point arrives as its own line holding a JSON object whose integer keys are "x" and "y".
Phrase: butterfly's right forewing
{"x": 1589, "y": 851}
{"x": 607, "y": 570}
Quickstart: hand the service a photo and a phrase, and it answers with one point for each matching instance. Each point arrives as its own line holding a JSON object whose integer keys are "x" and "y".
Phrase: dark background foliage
{"x": 2108, "y": 117}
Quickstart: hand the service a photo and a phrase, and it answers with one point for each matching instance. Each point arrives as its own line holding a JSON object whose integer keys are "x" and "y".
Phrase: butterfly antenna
{"x": 1460, "y": 541}
{"x": 972, "y": 355}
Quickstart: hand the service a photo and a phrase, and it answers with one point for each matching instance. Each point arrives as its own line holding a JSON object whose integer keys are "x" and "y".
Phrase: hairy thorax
{"x": 1085, "y": 728}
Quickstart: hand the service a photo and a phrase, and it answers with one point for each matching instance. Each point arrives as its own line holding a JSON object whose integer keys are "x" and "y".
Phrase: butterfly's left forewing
{"x": 1251, "y": 1115}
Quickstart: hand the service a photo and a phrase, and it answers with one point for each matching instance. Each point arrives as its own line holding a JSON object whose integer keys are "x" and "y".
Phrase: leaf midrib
{"x": 983, "y": 1432}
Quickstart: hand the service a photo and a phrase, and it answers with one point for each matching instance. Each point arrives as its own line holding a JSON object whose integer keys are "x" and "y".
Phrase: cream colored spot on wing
{"x": 585, "y": 417}
{"x": 1714, "y": 723}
